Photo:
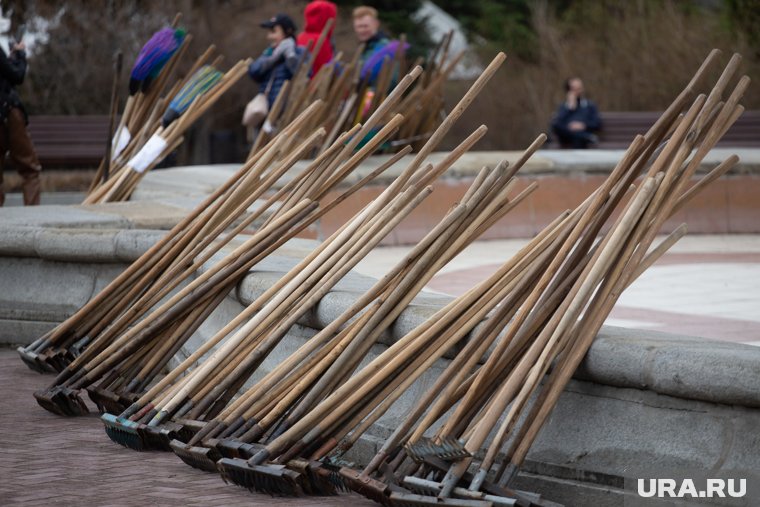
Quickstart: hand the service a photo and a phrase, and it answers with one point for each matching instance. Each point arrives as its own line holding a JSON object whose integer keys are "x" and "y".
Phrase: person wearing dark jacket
{"x": 14, "y": 137}
{"x": 368, "y": 32}
{"x": 278, "y": 62}
{"x": 377, "y": 49}
{"x": 577, "y": 120}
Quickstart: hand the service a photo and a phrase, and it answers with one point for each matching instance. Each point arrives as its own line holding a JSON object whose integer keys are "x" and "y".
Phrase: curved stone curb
{"x": 189, "y": 181}
{"x": 684, "y": 367}
{"x": 680, "y": 366}
{"x": 77, "y": 245}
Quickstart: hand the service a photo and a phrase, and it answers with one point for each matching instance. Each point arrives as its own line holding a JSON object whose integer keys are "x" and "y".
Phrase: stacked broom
{"x": 282, "y": 417}
{"x": 141, "y": 333}
{"x": 349, "y": 99}
{"x": 149, "y": 76}
{"x": 194, "y": 97}
{"x": 156, "y": 115}
{"x": 546, "y": 306}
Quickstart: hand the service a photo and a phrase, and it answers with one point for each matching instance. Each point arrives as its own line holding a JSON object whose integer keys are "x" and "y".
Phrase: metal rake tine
{"x": 270, "y": 478}
{"x": 448, "y": 448}
{"x": 202, "y": 458}
{"x": 402, "y": 499}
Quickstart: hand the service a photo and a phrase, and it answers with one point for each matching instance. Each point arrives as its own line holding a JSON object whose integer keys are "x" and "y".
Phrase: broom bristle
{"x": 154, "y": 55}
{"x": 201, "y": 82}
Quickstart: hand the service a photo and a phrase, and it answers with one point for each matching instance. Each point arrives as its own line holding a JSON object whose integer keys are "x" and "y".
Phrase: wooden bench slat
{"x": 80, "y": 141}
{"x": 69, "y": 141}
{"x": 620, "y": 127}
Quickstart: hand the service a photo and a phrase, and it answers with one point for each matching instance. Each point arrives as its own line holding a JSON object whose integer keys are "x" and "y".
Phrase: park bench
{"x": 69, "y": 141}
{"x": 619, "y": 128}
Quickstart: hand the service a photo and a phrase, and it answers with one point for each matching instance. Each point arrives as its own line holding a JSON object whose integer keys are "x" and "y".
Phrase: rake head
{"x": 488, "y": 487}
{"x": 62, "y": 401}
{"x": 55, "y": 359}
{"x": 107, "y": 401}
{"x": 32, "y": 361}
{"x": 334, "y": 464}
{"x": 447, "y": 448}
{"x": 202, "y": 458}
{"x": 158, "y": 438}
{"x": 319, "y": 479}
{"x": 402, "y": 499}
{"x": 270, "y": 478}
{"x": 231, "y": 448}
{"x": 432, "y": 489}
{"x": 365, "y": 485}
{"x": 123, "y": 431}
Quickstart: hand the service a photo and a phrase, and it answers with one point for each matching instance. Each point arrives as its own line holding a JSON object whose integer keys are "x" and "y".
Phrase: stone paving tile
{"x": 710, "y": 295}
{"x": 46, "y": 460}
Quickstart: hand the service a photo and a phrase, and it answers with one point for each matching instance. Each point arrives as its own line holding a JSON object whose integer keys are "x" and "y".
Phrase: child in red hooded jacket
{"x": 316, "y": 14}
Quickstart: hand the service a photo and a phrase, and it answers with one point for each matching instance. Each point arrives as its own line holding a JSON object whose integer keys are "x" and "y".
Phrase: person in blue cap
{"x": 279, "y": 61}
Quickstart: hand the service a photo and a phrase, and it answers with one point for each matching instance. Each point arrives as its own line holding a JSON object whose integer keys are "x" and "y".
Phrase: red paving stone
{"x": 715, "y": 328}
{"x": 732, "y": 329}
{"x": 50, "y": 460}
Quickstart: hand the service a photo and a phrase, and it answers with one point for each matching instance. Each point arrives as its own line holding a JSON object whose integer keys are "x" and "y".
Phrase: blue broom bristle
{"x": 201, "y": 82}
{"x": 154, "y": 55}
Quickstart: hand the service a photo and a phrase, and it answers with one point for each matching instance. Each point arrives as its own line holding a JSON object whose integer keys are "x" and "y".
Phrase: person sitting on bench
{"x": 577, "y": 119}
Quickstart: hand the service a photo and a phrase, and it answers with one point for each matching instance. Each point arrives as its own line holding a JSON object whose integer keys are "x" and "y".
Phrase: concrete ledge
{"x": 564, "y": 177}
{"x": 680, "y": 366}
{"x": 77, "y": 245}
{"x": 129, "y": 215}
{"x": 37, "y": 290}
{"x": 186, "y": 181}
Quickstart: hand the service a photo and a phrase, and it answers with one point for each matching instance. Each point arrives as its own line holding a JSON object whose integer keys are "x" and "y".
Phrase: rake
{"x": 613, "y": 255}
{"x": 262, "y": 455}
{"x": 165, "y": 288}
{"x": 335, "y": 180}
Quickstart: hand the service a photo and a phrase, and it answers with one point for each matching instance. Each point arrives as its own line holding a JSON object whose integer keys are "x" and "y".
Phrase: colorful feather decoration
{"x": 153, "y": 56}
{"x": 202, "y": 81}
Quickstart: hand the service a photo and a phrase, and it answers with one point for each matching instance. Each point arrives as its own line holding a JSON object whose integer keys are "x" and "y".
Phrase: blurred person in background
{"x": 279, "y": 61}
{"x": 576, "y": 121}
{"x": 14, "y": 137}
{"x": 377, "y": 49}
{"x": 316, "y": 15}
{"x": 367, "y": 30}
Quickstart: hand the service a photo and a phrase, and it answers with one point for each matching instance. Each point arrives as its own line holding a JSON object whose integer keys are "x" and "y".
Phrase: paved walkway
{"x": 707, "y": 286}
{"x": 49, "y": 460}
{"x": 47, "y": 198}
